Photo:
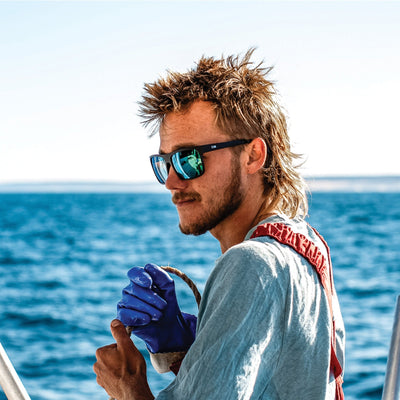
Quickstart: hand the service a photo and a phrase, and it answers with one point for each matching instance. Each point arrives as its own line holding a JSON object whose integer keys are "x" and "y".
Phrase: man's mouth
{"x": 180, "y": 199}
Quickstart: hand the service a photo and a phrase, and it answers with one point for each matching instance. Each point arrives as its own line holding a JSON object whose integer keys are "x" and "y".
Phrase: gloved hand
{"x": 149, "y": 305}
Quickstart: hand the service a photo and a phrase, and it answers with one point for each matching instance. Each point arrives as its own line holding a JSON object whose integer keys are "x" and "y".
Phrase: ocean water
{"x": 64, "y": 258}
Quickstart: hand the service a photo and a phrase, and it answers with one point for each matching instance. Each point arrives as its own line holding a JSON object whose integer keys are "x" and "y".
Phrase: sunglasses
{"x": 187, "y": 162}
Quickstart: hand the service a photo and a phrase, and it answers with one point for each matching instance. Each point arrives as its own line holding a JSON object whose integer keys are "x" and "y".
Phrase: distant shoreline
{"x": 346, "y": 184}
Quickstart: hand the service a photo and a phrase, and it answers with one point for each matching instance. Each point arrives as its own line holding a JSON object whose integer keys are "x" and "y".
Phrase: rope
{"x": 186, "y": 279}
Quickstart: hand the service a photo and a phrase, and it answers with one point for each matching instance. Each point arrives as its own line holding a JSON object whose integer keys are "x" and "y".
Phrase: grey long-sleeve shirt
{"x": 263, "y": 328}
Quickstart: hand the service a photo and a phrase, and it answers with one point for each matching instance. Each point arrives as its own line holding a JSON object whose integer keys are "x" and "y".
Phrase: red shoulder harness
{"x": 306, "y": 248}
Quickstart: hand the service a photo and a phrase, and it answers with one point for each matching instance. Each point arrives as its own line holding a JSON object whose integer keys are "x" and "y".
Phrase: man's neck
{"x": 234, "y": 228}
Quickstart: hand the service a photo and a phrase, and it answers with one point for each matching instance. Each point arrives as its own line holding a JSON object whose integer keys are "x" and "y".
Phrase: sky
{"x": 72, "y": 73}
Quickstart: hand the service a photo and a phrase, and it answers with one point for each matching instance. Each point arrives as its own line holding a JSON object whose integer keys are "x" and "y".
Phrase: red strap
{"x": 306, "y": 248}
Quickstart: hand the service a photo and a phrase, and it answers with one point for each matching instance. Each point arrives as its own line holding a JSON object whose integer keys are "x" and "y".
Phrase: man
{"x": 265, "y": 328}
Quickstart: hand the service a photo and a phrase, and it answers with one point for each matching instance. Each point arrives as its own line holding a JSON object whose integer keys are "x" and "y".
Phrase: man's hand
{"x": 121, "y": 369}
{"x": 149, "y": 305}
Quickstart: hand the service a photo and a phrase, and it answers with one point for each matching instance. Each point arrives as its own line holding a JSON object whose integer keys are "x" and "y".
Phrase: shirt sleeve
{"x": 240, "y": 327}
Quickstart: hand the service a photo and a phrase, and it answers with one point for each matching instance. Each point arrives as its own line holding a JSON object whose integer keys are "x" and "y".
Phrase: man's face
{"x": 206, "y": 201}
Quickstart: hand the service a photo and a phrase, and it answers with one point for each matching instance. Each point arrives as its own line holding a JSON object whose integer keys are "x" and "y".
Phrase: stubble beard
{"x": 220, "y": 210}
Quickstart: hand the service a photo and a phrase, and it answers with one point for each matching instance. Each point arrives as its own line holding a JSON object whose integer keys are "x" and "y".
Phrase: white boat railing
{"x": 9, "y": 379}
{"x": 391, "y": 389}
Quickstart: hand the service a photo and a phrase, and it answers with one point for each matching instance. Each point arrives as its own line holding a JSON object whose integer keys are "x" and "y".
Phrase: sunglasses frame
{"x": 167, "y": 157}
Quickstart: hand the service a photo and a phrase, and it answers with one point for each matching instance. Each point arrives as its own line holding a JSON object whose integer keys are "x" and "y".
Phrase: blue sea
{"x": 64, "y": 258}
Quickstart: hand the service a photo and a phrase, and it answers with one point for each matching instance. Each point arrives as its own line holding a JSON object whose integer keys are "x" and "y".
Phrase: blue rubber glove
{"x": 149, "y": 305}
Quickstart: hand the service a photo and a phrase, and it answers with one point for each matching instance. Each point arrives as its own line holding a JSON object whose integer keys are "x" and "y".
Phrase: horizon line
{"x": 340, "y": 183}
{"x": 126, "y": 182}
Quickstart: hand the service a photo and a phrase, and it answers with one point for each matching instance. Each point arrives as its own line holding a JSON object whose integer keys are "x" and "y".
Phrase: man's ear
{"x": 257, "y": 155}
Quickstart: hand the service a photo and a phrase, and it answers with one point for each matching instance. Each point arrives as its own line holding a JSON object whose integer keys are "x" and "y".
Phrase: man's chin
{"x": 193, "y": 229}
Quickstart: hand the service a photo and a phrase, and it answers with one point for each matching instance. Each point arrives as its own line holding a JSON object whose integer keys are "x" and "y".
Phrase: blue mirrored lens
{"x": 160, "y": 168}
{"x": 188, "y": 164}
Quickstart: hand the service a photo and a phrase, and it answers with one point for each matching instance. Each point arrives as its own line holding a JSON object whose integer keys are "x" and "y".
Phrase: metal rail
{"x": 391, "y": 389}
{"x": 9, "y": 379}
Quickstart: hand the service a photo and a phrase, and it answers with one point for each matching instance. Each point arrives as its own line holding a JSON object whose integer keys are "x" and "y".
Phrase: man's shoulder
{"x": 261, "y": 249}
{"x": 262, "y": 258}
{"x": 280, "y": 232}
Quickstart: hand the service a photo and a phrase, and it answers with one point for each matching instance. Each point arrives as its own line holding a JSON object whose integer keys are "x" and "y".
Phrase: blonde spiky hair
{"x": 246, "y": 106}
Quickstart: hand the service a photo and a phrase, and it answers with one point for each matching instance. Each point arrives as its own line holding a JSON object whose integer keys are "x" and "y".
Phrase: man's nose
{"x": 173, "y": 181}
